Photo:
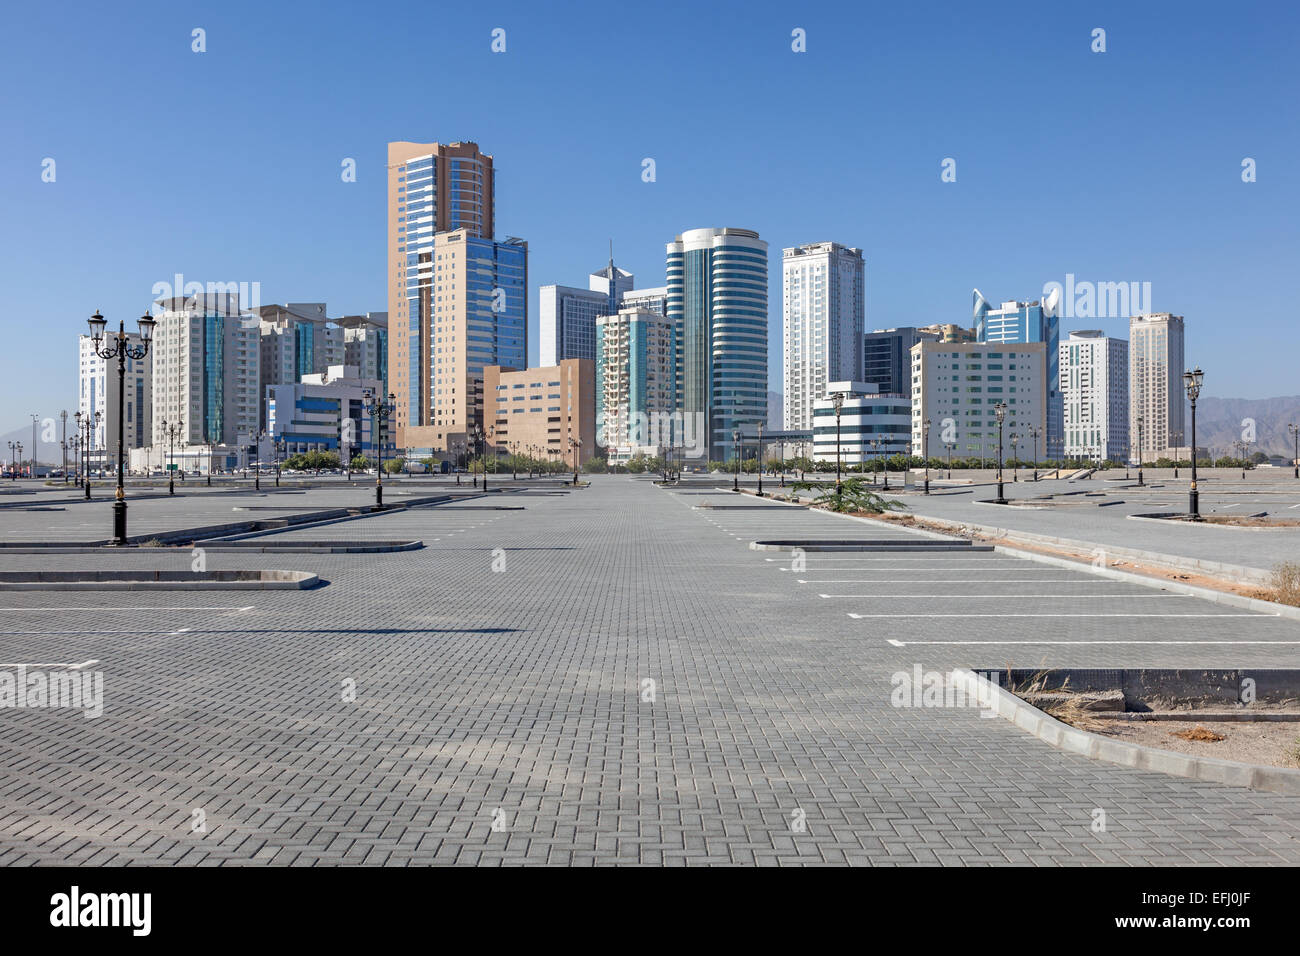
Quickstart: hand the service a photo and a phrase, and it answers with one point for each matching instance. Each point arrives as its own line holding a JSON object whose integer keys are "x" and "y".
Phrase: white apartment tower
{"x": 824, "y": 315}
{"x": 1094, "y": 388}
{"x": 206, "y": 362}
{"x": 1155, "y": 374}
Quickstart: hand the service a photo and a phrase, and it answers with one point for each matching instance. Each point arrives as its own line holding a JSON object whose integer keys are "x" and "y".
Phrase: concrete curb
{"x": 1210, "y": 524}
{"x": 1240, "y": 574}
{"x": 1124, "y": 754}
{"x": 147, "y": 580}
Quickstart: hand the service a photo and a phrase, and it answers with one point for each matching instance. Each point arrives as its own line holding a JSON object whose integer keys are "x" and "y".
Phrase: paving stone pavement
{"x": 517, "y": 697}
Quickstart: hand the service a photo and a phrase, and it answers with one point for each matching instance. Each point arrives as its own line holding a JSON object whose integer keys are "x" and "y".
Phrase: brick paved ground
{"x": 523, "y": 690}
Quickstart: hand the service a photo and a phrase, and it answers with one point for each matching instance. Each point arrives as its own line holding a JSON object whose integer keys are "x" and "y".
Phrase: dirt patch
{"x": 1272, "y": 743}
{"x": 1244, "y": 522}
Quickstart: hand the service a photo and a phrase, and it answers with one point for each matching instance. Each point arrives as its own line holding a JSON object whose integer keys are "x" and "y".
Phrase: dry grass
{"x": 1075, "y": 713}
{"x": 1198, "y": 733}
{"x": 1285, "y": 583}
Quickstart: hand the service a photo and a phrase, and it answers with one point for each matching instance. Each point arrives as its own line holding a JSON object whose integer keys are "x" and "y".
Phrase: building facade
{"x": 957, "y": 386}
{"x": 887, "y": 357}
{"x": 206, "y": 370}
{"x": 365, "y": 345}
{"x": 435, "y": 191}
{"x": 949, "y": 332}
{"x": 823, "y": 315}
{"x": 1018, "y": 322}
{"x": 646, "y": 300}
{"x": 636, "y": 384}
{"x": 98, "y": 392}
{"x": 1094, "y": 392}
{"x": 323, "y": 412}
{"x": 296, "y": 340}
{"x": 1155, "y": 374}
{"x": 566, "y": 315}
{"x": 717, "y": 301}
{"x": 537, "y": 411}
{"x": 871, "y": 425}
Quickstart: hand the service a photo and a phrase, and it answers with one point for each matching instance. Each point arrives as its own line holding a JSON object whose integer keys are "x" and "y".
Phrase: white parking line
{"x": 1230, "y": 614}
{"x": 66, "y": 610}
{"x": 1198, "y": 643}
{"x": 948, "y": 581}
{"x": 72, "y": 667}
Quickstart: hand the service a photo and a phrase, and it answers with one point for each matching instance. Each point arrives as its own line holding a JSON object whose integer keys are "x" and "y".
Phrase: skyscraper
{"x": 566, "y": 315}
{"x": 206, "y": 370}
{"x": 717, "y": 300}
{"x": 457, "y": 297}
{"x": 636, "y": 383}
{"x": 1037, "y": 321}
{"x": 1094, "y": 392}
{"x": 98, "y": 393}
{"x": 823, "y": 312}
{"x": 1155, "y": 372}
{"x": 296, "y": 340}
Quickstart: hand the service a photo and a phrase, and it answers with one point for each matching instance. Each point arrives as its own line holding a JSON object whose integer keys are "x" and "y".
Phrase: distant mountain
{"x": 51, "y": 453}
{"x": 1219, "y": 423}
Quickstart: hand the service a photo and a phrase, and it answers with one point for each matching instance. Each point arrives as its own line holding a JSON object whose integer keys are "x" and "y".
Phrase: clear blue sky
{"x": 224, "y": 166}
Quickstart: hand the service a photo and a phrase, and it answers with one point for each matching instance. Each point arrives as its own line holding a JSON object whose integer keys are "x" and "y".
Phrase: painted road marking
{"x": 72, "y": 667}
{"x": 1229, "y": 614}
{"x": 1090, "y": 597}
{"x": 1197, "y": 643}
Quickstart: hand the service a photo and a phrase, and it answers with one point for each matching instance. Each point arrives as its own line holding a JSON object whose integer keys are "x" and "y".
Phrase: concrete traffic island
{"x": 1178, "y": 695}
{"x": 150, "y": 580}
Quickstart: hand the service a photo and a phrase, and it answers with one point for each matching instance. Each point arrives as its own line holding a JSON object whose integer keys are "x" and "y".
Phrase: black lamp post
{"x": 475, "y": 439}
{"x": 74, "y": 445}
{"x": 171, "y": 431}
{"x": 949, "y": 446}
{"x": 758, "y": 457}
{"x": 1034, "y": 432}
{"x": 1000, "y": 409}
{"x": 925, "y": 451}
{"x": 64, "y": 415}
{"x": 15, "y": 449}
{"x": 1294, "y": 429}
{"x": 1141, "y": 419}
{"x": 378, "y": 410}
{"x": 1015, "y": 458}
{"x": 1192, "y": 381}
{"x": 838, "y": 401}
{"x": 735, "y": 456}
{"x": 575, "y": 444}
{"x": 122, "y": 350}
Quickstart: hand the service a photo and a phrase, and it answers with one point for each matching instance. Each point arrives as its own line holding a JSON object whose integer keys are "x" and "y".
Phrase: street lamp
{"x": 122, "y": 350}
{"x": 575, "y": 444}
{"x": 15, "y": 450}
{"x": 925, "y": 451}
{"x": 949, "y": 445}
{"x": 735, "y": 457}
{"x": 64, "y": 415}
{"x": 1140, "y": 420}
{"x": 171, "y": 431}
{"x": 1192, "y": 382}
{"x": 1294, "y": 429}
{"x": 1000, "y": 409}
{"x": 758, "y": 458}
{"x": 1034, "y": 432}
{"x": 1015, "y": 457}
{"x": 838, "y": 401}
{"x": 378, "y": 410}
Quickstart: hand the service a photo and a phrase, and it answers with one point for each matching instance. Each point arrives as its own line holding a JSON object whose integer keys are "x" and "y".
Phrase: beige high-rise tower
{"x": 1155, "y": 362}
{"x": 433, "y": 189}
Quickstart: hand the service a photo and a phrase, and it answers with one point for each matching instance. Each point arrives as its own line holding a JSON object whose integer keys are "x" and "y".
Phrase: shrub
{"x": 1285, "y": 582}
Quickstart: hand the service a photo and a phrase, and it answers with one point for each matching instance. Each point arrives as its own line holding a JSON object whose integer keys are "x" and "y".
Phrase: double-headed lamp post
{"x": 1000, "y": 409}
{"x": 64, "y": 416}
{"x": 15, "y": 450}
{"x": 925, "y": 451}
{"x": 575, "y": 443}
{"x": 1192, "y": 381}
{"x": 1034, "y": 432}
{"x": 378, "y": 410}
{"x": 121, "y": 350}
{"x": 171, "y": 430}
{"x": 1294, "y": 429}
{"x": 759, "y": 458}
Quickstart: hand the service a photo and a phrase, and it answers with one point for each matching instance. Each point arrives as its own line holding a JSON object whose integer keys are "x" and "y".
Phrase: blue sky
{"x": 225, "y": 165}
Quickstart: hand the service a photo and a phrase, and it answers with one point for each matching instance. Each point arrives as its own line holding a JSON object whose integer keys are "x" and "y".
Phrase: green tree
{"x": 854, "y": 496}
{"x": 394, "y": 465}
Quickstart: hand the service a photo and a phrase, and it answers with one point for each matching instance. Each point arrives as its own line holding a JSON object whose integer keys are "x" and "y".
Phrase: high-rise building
{"x": 365, "y": 345}
{"x": 1155, "y": 373}
{"x": 949, "y": 332}
{"x": 566, "y": 315}
{"x": 98, "y": 392}
{"x": 206, "y": 369}
{"x": 887, "y": 357}
{"x": 296, "y": 340}
{"x": 646, "y": 300}
{"x": 325, "y": 411}
{"x": 957, "y": 386}
{"x": 1094, "y": 392}
{"x": 441, "y": 220}
{"x": 823, "y": 315}
{"x": 537, "y": 411}
{"x": 636, "y": 383}
{"x": 717, "y": 300}
{"x": 1038, "y": 321}
{"x": 870, "y": 425}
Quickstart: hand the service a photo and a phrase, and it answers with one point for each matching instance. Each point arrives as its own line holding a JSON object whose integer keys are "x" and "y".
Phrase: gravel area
{"x": 1273, "y": 743}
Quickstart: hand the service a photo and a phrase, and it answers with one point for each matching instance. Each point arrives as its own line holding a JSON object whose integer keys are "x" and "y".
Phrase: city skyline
{"x": 1221, "y": 246}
